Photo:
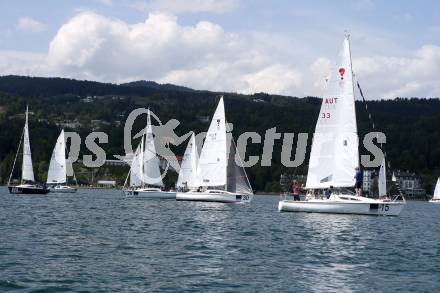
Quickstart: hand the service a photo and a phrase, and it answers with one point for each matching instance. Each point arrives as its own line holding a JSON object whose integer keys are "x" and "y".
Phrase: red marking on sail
{"x": 341, "y": 72}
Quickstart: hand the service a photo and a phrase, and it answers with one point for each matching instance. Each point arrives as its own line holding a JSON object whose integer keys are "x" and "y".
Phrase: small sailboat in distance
{"x": 28, "y": 184}
{"x": 188, "y": 169}
{"x": 144, "y": 177}
{"x": 335, "y": 153}
{"x": 57, "y": 174}
{"x": 436, "y": 195}
{"x": 218, "y": 177}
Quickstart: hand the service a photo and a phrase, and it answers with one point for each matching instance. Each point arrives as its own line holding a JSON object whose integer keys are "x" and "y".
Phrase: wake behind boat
{"x": 436, "y": 195}
{"x": 335, "y": 153}
{"x": 144, "y": 177}
{"x": 28, "y": 184}
{"x": 218, "y": 176}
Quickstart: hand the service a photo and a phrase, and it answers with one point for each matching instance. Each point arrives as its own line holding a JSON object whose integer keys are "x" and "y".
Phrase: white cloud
{"x": 182, "y": 6}
{"x": 202, "y": 56}
{"x": 31, "y": 25}
{"x": 414, "y": 75}
{"x": 364, "y": 4}
{"x": 22, "y": 63}
{"x": 106, "y": 2}
{"x": 205, "y": 56}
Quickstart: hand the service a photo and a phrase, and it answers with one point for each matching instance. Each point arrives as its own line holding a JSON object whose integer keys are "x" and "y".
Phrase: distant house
{"x": 69, "y": 124}
{"x": 96, "y": 124}
{"x": 258, "y": 100}
{"x": 87, "y": 99}
{"x": 409, "y": 184}
{"x": 368, "y": 178}
{"x": 107, "y": 183}
{"x": 203, "y": 119}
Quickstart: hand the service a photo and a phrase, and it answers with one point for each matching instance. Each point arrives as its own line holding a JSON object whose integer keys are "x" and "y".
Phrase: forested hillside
{"x": 411, "y": 125}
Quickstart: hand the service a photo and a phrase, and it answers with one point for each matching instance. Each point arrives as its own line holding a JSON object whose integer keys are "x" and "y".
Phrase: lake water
{"x": 97, "y": 240}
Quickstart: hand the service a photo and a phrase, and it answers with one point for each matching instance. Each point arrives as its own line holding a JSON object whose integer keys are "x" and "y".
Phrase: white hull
{"x": 62, "y": 189}
{"x": 348, "y": 205}
{"x": 435, "y": 201}
{"x": 213, "y": 196}
{"x": 151, "y": 194}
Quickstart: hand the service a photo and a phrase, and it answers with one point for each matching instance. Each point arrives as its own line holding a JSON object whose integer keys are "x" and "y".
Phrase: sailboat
{"x": 145, "y": 176}
{"x": 27, "y": 185}
{"x": 187, "y": 173}
{"x": 335, "y": 153}
{"x": 57, "y": 174}
{"x": 436, "y": 196}
{"x": 218, "y": 177}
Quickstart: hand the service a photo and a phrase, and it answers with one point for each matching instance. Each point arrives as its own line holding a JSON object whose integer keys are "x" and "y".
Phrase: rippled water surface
{"x": 97, "y": 240}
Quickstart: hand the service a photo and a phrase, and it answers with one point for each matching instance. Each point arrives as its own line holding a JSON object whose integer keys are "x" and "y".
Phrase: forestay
{"x": 57, "y": 173}
{"x": 334, "y": 153}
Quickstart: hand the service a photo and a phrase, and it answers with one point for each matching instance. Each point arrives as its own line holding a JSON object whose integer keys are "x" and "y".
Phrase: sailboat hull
{"x": 222, "y": 197}
{"x": 435, "y": 201}
{"x": 63, "y": 189}
{"x": 151, "y": 194}
{"x": 27, "y": 190}
{"x": 353, "y": 205}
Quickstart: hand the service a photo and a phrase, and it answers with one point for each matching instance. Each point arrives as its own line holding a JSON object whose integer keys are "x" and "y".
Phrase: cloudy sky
{"x": 280, "y": 46}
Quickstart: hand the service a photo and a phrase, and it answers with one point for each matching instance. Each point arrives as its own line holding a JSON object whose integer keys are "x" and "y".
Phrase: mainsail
{"x": 437, "y": 190}
{"x": 188, "y": 168}
{"x": 382, "y": 183}
{"x": 211, "y": 170}
{"x": 57, "y": 168}
{"x": 335, "y": 155}
{"x": 152, "y": 174}
{"x": 27, "y": 172}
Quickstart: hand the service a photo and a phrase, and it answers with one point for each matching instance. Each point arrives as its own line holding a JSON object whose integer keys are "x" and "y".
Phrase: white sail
{"x": 152, "y": 174}
{"x": 188, "y": 168}
{"x": 437, "y": 190}
{"x": 382, "y": 183}
{"x": 57, "y": 167}
{"x": 334, "y": 155}
{"x": 27, "y": 172}
{"x": 211, "y": 170}
{"x": 136, "y": 170}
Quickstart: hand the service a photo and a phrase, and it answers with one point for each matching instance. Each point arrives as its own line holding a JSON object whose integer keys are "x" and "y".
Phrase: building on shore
{"x": 409, "y": 184}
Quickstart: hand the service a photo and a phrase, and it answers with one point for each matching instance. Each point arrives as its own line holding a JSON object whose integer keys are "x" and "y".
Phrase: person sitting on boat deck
{"x": 329, "y": 192}
{"x": 199, "y": 189}
{"x": 358, "y": 184}
{"x": 310, "y": 194}
{"x": 296, "y": 189}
